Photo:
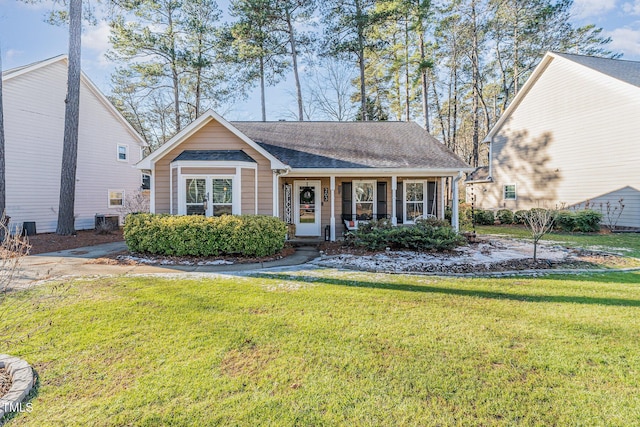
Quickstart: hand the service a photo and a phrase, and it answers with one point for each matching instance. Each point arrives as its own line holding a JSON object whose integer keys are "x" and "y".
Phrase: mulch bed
{"x": 122, "y": 258}
{"x": 51, "y": 242}
{"x": 5, "y": 382}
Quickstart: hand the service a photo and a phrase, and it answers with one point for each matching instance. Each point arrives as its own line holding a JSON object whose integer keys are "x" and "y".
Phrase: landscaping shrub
{"x": 520, "y": 217}
{"x": 483, "y": 217}
{"x": 505, "y": 216}
{"x": 464, "y": 215}
{"x": 428, "y": 234}
{"x": 588, "y": 220}
{"x": 565, "y": 221}
{"x": 194, "y": 235}
{"x": 585, "y": 221}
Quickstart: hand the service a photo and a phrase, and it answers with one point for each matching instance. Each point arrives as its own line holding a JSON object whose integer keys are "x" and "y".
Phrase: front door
{"x": 307, "y": 208}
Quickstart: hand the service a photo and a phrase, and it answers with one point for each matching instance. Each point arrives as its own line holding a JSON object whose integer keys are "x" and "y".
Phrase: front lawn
{"x": 622, "y": 243}
{"x": 337, "y": 348}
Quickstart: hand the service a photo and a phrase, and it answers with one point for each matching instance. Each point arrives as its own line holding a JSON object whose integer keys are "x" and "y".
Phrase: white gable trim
{"x": 537, "y": 72}
{"x": 87, "y": 81}
{"x": 546, "y": 60}
{"x": 195, "y": 126}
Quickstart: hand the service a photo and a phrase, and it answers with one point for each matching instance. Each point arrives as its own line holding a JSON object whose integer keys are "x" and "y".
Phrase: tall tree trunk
{"x": 407, "y": 89}
{"x": 3, "y": 188}
{"x": 436, "y": 99}
{"x": 294, "y": 60}
{"x": 262, "y": 97}
{"x": 425, "y": 84}
{"x": 66, "y": 211}
{"x": 174, "y": 74}
{"x": 475, "y": 70}
{"x": 363, "y": 92}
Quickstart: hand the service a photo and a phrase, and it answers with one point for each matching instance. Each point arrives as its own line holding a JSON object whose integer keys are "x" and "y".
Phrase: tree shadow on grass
{"x": 622, "y": 302}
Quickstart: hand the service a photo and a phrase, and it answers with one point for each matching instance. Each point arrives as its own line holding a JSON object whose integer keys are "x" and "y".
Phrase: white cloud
{"x": 627, "y": 41}
{"x": 592, "y": 8}
{"x": 632, "y": 8}
{"x": 97, "y": 39}
{"x": 12, "y": 54}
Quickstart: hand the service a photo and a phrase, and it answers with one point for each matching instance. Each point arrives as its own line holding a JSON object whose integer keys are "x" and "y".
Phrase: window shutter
{"x": 346, "y": 201}
{"x": 399, "y": 203}
{"x": 382, "y": 199}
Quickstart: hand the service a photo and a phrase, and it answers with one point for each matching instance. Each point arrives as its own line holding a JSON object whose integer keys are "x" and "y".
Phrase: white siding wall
{"x": 574, "y": 137}
{"x": 34, "y": 127}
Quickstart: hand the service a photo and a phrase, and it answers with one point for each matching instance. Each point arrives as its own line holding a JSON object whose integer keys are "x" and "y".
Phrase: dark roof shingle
{"x": 627, "y": 71}
{"x": 226, "y": 155}
{"x": 351, "y": 144}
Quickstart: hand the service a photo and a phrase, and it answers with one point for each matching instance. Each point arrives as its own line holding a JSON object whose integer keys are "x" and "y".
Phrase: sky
{"x": 25, "y": 37}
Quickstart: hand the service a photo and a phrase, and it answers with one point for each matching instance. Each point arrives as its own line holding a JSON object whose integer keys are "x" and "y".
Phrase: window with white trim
{"x": 509, "y": 192}
{"x": 196, "y": 196}
{"x": 222, "y": 201}
{"x": 413, "y": 200}
{"x": 116, "y": 198}
{"x": 364, "y": 196}
{"x": 123, "y": 152}
{"x": 209, "y": 195}
{"x": 420, "y": 199}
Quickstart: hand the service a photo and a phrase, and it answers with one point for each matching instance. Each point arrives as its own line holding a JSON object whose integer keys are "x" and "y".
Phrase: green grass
{"x": 623, "y": 243}
{"x": 337, "y": 348}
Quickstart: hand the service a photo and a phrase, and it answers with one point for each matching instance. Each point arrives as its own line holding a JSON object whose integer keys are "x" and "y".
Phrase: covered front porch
{"x": 321, "y": 206}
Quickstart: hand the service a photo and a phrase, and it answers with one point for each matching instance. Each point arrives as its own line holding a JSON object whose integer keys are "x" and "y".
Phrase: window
{"x": 209, "y": 195}
{"x": 196, "y": 196}
{"x": 146, "y": 182}
{"x": 123, "y": 152}
{"x": 420, "y": 200}
{"x": 222, "y": 196}
{"x": 414, "y": 200}
{"x": 116, "y": 198}
{"x": 364, "y": 199}
{"x": 510, "y": 192}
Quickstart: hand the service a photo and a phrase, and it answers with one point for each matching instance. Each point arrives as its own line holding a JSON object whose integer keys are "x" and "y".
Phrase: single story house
{"x": 311, "y": 174}
{"x": 571, "y": 137}
{"x": 108, "y": 148}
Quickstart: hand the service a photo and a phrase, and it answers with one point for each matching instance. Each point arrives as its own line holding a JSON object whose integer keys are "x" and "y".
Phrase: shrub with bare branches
{"x": 611, "y": 213}
{"x": 539, "y": 222}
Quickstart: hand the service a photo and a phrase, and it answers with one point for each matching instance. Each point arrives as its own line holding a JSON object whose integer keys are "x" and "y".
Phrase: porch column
{"x": 275, "y": 194}
{"x": 333, "y": 208}
{"x": 441, "y": 201}
{"x": 455, "y": 202}
{"x": 152, "y": 189}
{"x": 394, "y": 187}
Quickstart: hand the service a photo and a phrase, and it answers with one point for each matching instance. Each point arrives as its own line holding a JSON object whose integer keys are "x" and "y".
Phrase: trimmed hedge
{"x": 505, "y": 216}
{"x": 585, "y": 221}
{"x": 194, "y": 235}
{"x": 483, "y": 217}
{"x": 520, "y": 217}
{"x": 426, "y": 235}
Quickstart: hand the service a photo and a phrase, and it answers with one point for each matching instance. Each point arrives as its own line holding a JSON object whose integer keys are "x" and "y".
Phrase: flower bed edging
{"x": 22, "y": 382}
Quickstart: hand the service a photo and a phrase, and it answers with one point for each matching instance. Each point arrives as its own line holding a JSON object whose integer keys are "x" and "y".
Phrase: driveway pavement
{"x": 80, "y": 262}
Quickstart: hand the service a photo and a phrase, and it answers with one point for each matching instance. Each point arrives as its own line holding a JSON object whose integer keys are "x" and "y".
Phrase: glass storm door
{"x": 307, "y": 208}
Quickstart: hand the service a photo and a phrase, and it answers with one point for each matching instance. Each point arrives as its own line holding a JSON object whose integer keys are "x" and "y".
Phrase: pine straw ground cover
{"x": 327, "y": 347}
{"x": 5, "y": 382}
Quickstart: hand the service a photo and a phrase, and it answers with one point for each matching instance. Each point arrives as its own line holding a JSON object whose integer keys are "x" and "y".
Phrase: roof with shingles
{"x": 626, "y": 71}
{"x": 351, "y": 145}
{"x": 480, "y": 174}
{"x": 223, "y": 155}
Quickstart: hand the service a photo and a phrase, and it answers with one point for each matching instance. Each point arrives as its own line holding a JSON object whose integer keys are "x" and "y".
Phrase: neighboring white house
{"x": 570, "y": 136}
{"x": 108, "y": 147}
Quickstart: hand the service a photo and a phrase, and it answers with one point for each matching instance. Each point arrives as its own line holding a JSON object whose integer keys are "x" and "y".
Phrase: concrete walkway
{"x": 80, "y": 262}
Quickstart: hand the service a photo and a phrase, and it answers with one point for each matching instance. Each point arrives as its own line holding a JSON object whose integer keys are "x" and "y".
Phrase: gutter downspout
{"x": 455, "y": 223}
